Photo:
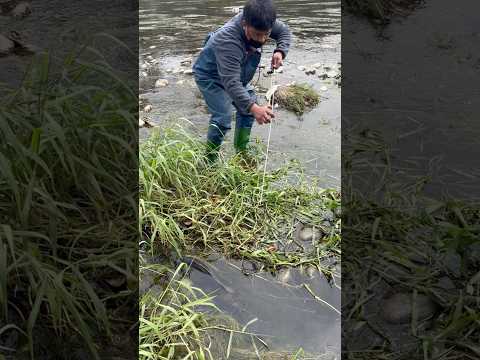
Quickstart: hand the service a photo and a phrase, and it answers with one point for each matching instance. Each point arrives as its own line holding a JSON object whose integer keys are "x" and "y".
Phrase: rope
{"x": 272, "y": 103}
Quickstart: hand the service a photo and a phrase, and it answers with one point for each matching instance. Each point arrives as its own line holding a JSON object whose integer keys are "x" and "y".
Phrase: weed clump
{"x": 187, "y": 205}
{"x": 297, "y": 98}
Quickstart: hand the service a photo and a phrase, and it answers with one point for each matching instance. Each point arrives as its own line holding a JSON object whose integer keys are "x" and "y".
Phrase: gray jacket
{"x": 228, "y": 60}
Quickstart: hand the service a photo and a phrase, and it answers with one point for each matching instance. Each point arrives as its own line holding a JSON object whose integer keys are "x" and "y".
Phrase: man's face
{"x": 256, "y": 38}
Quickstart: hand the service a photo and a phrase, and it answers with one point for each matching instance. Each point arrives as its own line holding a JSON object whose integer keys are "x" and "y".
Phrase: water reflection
{"x": 181, "y": 26}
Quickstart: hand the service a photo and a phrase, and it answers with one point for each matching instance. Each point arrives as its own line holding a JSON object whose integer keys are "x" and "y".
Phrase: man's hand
{"x": 277, "y": 60}
{"x": 263, "y": 114}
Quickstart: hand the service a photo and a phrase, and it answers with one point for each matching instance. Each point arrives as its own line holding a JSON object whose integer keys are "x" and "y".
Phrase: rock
{"x": 472, "y": 256}
{"x": 180, "y": 82}
{"x": 149, "y": 57}
{"x": 186, "y": 61}
{"x": 144, "y": 74}
{"x": 148, "y": 108}
{"x": 152, "y": 47}
{"x": 188, "y": 72}
{"x": 284, "y": 275}
{"x": 169, "y": 70}
{"x": 310, "y": 71}
{"x": 445, "y": 283}
{"x": 22, "y": 10}
{"x": 397, "y": 309}
{"x": 279, "y": 70}
{"x": 309, "y": 234}
{"x": 453, "y": 263}
{"x": 328, "y": 215}
{"x": 6, "y": 45}
{"x": 301, "y": 68}
{"x": 141, "y": 123}
{"x": 161, "y": 83}
{"x": 324, "y": 88}
{"x": 332, "y": 73}
{"x": 144, "y": 66}
{"x": 323, "y": 76}
{"x": 154, "y": 62}
{"x": 317, "y": 65}
{"x": 177, "y": 71}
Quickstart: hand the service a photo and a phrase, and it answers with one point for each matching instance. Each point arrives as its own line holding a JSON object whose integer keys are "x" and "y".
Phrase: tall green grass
{"x": 67, "y": 201}
{"x": 187, "y": 205}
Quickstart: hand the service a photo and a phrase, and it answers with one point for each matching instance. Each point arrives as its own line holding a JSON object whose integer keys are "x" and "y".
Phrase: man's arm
{"x": 229, "y": 57}
{"x": 283, "y": 37}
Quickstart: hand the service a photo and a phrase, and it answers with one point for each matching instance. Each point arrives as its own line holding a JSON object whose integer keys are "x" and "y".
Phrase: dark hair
{"x": 261, "y": 14}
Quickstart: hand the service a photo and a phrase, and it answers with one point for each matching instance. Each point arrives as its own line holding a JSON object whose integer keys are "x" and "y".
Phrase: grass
{"x": 297, "y": 98}
{"x": 395, "y": 238}
{"x": 68, "y": 207}
{"x": 186, "y": 205}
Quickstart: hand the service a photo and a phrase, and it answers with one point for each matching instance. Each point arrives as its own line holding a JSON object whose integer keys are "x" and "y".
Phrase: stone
{"x": 397, "y": 309}
{"x": 149, "y": 57}
{"x": 188, "y": 72}
{"x": 310, "y": 71}
{"x": 144, "y": 66}
{"x": 323, "y": 88}
{"x": 6, "y": 45}
{"x": 141, "y": 123}
{"x": 309, "y": 234}
{"x": 161, "y": 83}
{"x": 332, "y": 73}
{"x": 323, "y": 76}
{"x": 472, "y": 256}
{"x": 144, "y": 74}
{"x": 301, "y": 68}
{"x": 148, "y": 108}
{"x": 317, "y": 65}
{"x": 279, "y": 70}
{"x": 180, "y": 82}
{"x": 22, "y": 10}
{"x": 152, "y": 47}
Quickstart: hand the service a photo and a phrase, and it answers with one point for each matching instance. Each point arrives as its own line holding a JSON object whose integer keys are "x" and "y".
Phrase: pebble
{"x": 309, "y": 234}
{"x": 324, "y": 88}
{"x": 397, "y": 309}
{"x": 6, "y": 45}
{"x": 161, "y": 83}
{"x": 149, "y": 57}
{"x": 188, "y": 72}
{"x": 472, "y": 255}
{"x": 22, "y": 10}
{"x": 323, "y": 76}
{"x": 144, "y": 66}
{"x": 453, "y": 263}
{"x": 152, "y": 47}
{"x": 144, "y": 74}
{"x": 141, "y": 123}
{"x": 310, "y": 71}
{"x": 148, "y": 108}
{"x": 317, "y": 65}
{"x": 332, "y": 73}
{"x": 279, "y": 70}
{"x": 180, "y": 82}
{"x": 301, "y": 68}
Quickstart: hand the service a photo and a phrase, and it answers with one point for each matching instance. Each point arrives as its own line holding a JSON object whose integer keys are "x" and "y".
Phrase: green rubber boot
{"x": 212, "y": 152}
{"x": 241, "y": 139}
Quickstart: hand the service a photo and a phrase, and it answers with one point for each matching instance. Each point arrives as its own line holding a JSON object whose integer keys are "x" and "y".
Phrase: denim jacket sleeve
{"x": 229, "y": 57}
{"x": 282, "y": 35}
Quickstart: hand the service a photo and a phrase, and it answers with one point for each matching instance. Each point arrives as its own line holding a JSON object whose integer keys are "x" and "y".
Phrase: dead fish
{"x": 284, "y": 275}
{"x": 398, "y": 308}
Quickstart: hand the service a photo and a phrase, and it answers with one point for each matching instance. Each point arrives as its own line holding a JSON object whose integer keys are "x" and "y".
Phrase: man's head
{"x": 258, "y": 19}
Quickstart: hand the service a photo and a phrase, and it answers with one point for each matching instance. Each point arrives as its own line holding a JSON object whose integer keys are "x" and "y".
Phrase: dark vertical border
{"x": 69, "y": 180}
{"x": 410, "y": 236}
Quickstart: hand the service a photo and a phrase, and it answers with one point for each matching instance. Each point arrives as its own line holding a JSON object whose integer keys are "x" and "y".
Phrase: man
{"x": 226, "y": 65}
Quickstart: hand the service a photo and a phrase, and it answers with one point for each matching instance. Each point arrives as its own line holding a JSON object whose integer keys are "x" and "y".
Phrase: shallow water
{"x": 170, "y": 32}
{"x": 287, "y": 315}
